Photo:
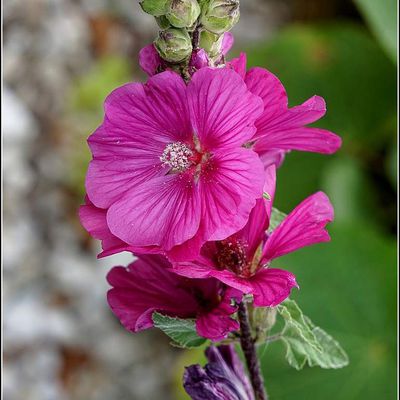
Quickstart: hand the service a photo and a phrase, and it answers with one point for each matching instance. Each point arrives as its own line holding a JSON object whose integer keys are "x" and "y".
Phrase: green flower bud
{"x": 183, "y": 13}
{"x": 163, "y": 22}
{"x": 155, "y": 7}
{"x": 174, "y": 45}
{"x": 220, "y": 16}
{"x": 211, "y": 43}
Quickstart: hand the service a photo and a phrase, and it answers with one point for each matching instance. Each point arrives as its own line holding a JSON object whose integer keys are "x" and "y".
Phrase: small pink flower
{"x": 149, "y": 60}
{"x": 147, "y": 285}
{"x": 242, "y": 261}
{"x": 281, "y": 129}
{"x": 169, "y": 167}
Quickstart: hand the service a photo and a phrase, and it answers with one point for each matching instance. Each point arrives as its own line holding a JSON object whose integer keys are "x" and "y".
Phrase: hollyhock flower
{"x": 147, "y": 285}
{"x": 168, "y": 163}
{"x": 242, "y": 261}
{"x": 281, "y": 129}
{"x": 223, "y": 378}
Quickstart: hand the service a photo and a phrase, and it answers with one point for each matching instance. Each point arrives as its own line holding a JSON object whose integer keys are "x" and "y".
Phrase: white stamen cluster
{"x": 177, "y": 156}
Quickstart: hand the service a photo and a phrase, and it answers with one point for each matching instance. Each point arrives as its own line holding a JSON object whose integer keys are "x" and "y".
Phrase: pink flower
{"x": 243, "y": 260}
{"x": 281, "y": 129}
{"x": 149, "y": 60}
{"x": 147, "y": 285}
{"x": 168, "y": 164}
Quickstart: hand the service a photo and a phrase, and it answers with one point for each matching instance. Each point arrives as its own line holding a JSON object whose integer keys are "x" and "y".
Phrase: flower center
{"x": 177, "y": 156}
{"x": 231, "y": 255}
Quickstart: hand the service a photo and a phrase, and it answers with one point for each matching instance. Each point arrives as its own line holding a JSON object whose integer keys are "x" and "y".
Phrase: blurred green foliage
{"x": 382, "y": 18}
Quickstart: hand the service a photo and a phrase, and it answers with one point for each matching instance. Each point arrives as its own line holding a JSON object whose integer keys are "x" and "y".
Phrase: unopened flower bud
{"x": 163, "y": 22}
{"x": 220, "y": 16}
{"x": 183, "y": 13}
{"x": 211, "y": 43}
{"x": 155, "y": 7}
{"x": 174, "y": 45}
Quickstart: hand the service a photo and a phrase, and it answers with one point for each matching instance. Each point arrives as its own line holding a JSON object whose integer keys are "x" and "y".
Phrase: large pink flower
{"x": 243, "y": 260}
{"x": 169, "y": 166}
{"x": 148, "y": 285}
{"x": 280, "y": 128}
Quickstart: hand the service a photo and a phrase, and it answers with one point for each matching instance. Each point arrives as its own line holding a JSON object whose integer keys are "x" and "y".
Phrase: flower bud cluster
{"x": 189, "y": 25}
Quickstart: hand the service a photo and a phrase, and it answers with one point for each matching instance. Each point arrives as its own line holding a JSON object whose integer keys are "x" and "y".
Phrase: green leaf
{"x": 382, "y": 19}
{"x": 276, "y": 218}
{"x": 307, "y": 343}
{"x": 296, "y": 324}
{"x": 181, "y": 331}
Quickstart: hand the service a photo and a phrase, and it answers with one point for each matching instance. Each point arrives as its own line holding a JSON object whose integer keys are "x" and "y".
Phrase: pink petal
{"x": 271, "y": 286}
{"x": 271, "y": 157}
{"x": 227, "y": 43}
{"x": 267, "y": 86}
{"x": 199, "y": 59}
{"x": 149, "y": 60}
{"x": 147, "y": 286}
{"x": 157, "y": 109}
{"x": 304, "y": 139}
{"x": 202, "y": 268}
{"x": 164, "y": 211}
{"x": 217, "y": 323}
{"x": 304, "y": 226}
{"x": 253, "y": 232}
{"x": 94, "y": 221}
{"x": 239, "y": 65}
{"x": 229, "y": 186}
{"x": 284, "y": 129}
{"x": 222, "y": 110}
{"x": 140, "y": 120}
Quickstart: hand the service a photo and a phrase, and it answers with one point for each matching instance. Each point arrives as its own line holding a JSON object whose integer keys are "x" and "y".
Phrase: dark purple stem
{"x": 250, "y": 353}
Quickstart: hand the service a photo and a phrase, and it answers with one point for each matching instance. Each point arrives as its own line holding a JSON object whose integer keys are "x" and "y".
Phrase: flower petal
{"x": 304, "y": 226}
{"x": 270, "y": 89}
{"x": 227, "y": 43}
{"x": 271, "y": 286}
{"x": 93, "y": 219}
{"x": 223, "y": 110}
{"x": 229, "y": 186}
{"x": 164, "y": 211}
{"x": 239, "y": 64}
{"x": 203, "y": 268}
{"x": 217, "y": 323}
{"x": 144, "y": 287}
{"x": 140, "y": 121}
{"x": 286, "y": 130}
{"x": 149, "y": 60}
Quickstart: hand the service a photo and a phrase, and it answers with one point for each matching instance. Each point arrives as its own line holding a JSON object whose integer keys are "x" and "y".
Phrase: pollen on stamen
{"x": 177, "y": 156}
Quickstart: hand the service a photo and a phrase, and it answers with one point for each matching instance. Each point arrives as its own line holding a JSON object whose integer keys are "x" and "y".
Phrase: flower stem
{"x": 250, "y": 354}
